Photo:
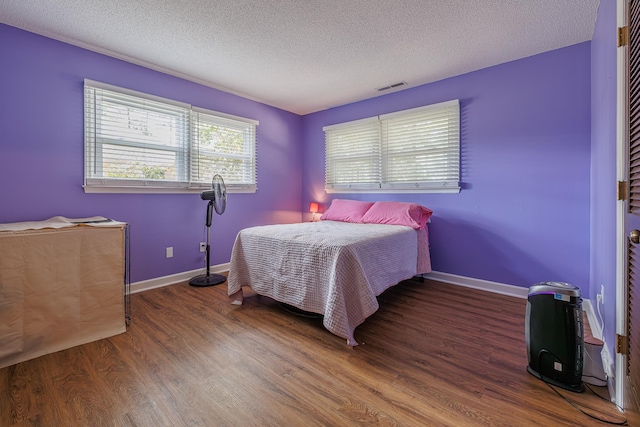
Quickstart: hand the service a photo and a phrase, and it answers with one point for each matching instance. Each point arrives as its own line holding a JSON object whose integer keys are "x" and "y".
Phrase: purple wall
{"x": 523, "y": 213}
{"x": 522, "y": 216}
{"x": 41, "y": 155}
{"x": 603, "y": 164}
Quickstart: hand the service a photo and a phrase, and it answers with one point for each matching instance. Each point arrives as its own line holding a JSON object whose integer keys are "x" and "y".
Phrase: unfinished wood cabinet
{"x": 60, "y": 287}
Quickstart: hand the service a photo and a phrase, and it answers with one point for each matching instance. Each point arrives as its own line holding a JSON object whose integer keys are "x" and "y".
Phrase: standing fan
{"x": 217, "y": 198}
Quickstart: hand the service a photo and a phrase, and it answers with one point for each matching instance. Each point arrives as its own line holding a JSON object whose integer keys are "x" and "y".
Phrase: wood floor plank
{"x": 433, "y": 354}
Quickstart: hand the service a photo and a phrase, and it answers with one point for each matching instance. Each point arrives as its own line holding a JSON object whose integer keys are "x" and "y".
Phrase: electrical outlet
{"x": 169, "y": 252}
{"x": 602, "y": 294}
{"x": 203, "y": 246}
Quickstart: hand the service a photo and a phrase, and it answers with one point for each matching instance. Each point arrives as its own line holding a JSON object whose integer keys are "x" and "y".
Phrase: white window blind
{"x": 353, "y": 155}
{"x": 410, "y": 150}
{"x": 225, "y": 145}
{"x": 137, "y": 141}
{"x": 422, "y": 147}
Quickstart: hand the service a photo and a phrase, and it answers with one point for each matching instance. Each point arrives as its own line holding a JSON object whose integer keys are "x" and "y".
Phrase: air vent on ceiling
{"x": 392, "y": 86}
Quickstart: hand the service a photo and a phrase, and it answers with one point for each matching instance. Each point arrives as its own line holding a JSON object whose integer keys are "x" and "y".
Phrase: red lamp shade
{"x": 313, "y": 207}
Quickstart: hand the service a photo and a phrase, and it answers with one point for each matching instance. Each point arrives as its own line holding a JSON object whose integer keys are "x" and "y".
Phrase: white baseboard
{"x": 519, "y": 292}
{"x": 511, "y": 290}
{"x": 454, "y": 279}
{"x": 172, "y": 279}
{"x": 485, "y": 285}
{"x": 596, "y": 331}
{"x": 594, "y": 322}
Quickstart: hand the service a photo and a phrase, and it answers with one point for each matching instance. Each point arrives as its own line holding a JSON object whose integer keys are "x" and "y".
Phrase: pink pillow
{"x": 346, "y": 210}
{"x": 398, "y": 213}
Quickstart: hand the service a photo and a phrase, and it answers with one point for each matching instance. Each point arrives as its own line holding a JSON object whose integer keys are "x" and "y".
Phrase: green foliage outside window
{"x": 138, "y": 170}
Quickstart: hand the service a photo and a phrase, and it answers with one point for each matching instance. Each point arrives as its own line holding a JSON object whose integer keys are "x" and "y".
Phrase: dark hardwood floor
{"x": 433, "y": 354}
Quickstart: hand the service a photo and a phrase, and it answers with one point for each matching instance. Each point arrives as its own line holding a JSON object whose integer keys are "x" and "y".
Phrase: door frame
{"x": 622, "y": 143}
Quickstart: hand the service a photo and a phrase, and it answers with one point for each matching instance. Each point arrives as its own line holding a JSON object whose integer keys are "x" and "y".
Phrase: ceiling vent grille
{"x": 391, "y": 86}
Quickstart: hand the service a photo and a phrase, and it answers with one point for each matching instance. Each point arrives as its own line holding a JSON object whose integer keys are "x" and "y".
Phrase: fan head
{"x": 220, "y": 194}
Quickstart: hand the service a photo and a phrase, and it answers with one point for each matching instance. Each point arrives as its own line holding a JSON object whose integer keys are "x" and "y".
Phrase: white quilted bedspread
{"x": 333, "y": 268}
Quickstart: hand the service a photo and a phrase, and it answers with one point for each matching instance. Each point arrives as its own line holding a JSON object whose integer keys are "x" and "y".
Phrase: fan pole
{"x": 208, "y": 279}
{"x": 209, "y": 219}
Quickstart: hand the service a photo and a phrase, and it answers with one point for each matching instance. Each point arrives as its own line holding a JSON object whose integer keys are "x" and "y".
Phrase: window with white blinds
{"x": 353, "y": 154}
{"x": 223, "y": 145}
{"x": 138, "y": 142}
{"x": 415, "y": 150}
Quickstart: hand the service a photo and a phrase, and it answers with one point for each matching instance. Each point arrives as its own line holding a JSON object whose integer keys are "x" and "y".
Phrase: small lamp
{"x": 313, "y": 208}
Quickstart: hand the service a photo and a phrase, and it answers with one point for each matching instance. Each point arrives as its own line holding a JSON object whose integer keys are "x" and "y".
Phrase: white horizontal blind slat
{"x": 134, "y": 93}
{"x": 422, "y": 147}
{"x": 353, "y": 155}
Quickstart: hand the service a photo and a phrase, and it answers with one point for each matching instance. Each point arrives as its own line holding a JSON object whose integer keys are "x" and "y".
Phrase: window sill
{"x": 162, "y": 190}
{"x": 391, "y": 191}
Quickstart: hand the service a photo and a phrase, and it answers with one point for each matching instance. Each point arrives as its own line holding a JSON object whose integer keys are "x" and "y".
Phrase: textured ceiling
{"x": 305, "y": 56}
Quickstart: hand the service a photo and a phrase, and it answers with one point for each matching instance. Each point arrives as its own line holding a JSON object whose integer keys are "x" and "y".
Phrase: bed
{"x": 332, "y": 267}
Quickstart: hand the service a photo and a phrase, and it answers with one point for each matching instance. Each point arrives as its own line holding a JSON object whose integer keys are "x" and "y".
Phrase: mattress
{"x": 333, "y": 268}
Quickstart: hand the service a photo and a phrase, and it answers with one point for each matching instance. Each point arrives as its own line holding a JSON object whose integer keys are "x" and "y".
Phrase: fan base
{"x": 210, "y": 280}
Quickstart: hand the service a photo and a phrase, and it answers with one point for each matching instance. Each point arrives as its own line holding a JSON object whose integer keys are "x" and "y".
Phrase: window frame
{"x": 184, "y": 182}
{"x": 450, "y": 140}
